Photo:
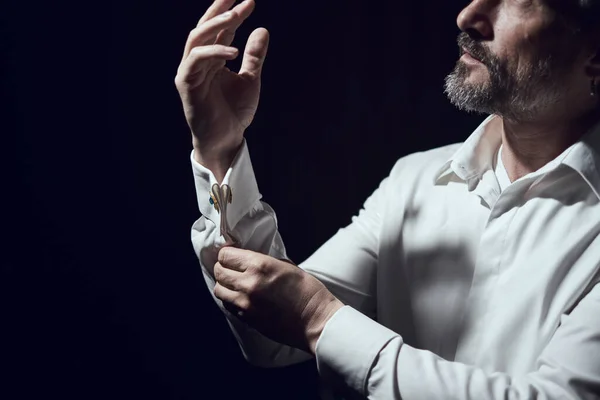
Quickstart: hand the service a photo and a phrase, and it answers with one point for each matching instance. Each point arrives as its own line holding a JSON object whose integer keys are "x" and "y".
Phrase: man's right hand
{"x": 220, "y": 104}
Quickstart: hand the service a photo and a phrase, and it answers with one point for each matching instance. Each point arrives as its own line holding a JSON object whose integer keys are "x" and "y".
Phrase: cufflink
{"x": 220, "y": 196}
{"x": 213, "y": 202}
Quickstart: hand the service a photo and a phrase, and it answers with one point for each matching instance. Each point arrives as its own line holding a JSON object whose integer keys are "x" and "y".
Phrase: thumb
{"x": 255, "y": 53}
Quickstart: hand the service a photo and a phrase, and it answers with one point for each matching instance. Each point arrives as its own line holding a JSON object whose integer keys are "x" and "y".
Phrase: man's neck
{"x": 527, "y": 147}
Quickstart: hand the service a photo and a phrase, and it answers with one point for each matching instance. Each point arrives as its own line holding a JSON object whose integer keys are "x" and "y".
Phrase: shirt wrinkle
{"x": 453, "y": 288}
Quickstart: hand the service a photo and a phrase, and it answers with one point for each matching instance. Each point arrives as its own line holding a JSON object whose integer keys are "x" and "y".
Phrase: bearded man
{"x": 473, "y": 271}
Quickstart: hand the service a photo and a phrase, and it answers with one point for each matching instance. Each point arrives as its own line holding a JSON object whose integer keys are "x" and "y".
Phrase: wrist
{"x": 217, "y": 160}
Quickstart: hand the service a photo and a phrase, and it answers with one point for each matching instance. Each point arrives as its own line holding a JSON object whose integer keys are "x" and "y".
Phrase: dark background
{"x": 101, "y": 294}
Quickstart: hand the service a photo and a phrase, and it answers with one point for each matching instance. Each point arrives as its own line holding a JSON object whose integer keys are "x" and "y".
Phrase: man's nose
{"x": 476, "y": 21}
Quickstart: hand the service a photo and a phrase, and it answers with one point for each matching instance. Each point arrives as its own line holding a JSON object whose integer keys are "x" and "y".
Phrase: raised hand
{"x": 220, "y": 104}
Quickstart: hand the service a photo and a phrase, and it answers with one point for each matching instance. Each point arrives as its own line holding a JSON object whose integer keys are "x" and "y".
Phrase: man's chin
{"x": 477, "y": 78}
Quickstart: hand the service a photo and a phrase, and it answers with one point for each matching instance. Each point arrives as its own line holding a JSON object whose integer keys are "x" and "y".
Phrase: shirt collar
{"x": 476, "y": 155}
{"x": 584, "y": 158}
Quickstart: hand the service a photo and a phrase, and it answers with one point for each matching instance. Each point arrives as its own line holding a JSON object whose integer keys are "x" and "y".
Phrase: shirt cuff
{"x": 348, "y": 347}
{"x": 240, "y": 178}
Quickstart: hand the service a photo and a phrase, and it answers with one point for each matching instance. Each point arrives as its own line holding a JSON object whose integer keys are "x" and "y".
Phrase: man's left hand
{"x": 277, "y": 298}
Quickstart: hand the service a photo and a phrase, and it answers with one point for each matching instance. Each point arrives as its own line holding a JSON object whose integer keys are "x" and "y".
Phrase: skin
{"x": 512, "y": 30}
{"x": 276, "y": 297}
{"x": 220, "y": 104}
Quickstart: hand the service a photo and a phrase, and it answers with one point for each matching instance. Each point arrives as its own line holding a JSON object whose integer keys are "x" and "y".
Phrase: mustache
{"x": 476, "y": 49}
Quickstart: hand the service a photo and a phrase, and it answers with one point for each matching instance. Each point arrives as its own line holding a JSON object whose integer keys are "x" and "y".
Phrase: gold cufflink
{"x": 220, "y": 196}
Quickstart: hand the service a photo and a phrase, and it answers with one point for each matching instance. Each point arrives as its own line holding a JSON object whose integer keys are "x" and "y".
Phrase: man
{"x": 473, "y": 271}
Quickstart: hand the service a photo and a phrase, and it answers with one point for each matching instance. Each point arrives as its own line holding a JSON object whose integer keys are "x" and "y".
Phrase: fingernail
{"x": 226, "y": 15}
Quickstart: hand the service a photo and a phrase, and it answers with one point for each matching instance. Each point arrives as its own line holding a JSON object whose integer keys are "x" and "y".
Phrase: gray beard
{"x": 518, "y": 96}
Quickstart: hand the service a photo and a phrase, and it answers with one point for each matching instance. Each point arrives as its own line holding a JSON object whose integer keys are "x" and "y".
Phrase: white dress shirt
{"x": 453, "y": 288}
{"x": 501, "y": 174}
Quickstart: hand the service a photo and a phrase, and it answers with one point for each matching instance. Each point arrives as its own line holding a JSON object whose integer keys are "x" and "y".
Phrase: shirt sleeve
{"x": 345, "y": 264}
{"x": 372, "y": 360}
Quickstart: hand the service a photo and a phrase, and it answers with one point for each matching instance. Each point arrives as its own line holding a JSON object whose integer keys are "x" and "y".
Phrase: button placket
{"x": 482, "y": 295}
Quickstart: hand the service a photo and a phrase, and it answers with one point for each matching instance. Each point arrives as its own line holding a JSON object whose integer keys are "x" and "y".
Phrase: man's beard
{"x": 519, "y": 95}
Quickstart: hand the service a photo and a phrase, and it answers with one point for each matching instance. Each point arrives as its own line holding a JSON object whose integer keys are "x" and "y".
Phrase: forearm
{"x": 374, "y": 361}
{"x": 254, "y": 225}
{"x": 257, "y": 349}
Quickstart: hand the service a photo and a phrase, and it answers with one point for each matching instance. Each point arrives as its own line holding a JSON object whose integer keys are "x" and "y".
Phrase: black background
{"x": 101, "y": 293}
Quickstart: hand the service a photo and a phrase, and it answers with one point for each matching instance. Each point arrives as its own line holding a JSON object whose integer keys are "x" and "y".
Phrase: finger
{"x": 244, "y": 10}
{"x": 218, "y": 7}
{"x": 235, "y": 302}
{"x": 207, "y": 33}
{"x": 203, "y": 59}
{"x": 255, "y": 53}
{"x": 237, "y": 259}
{"x": 228, "y": 278}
